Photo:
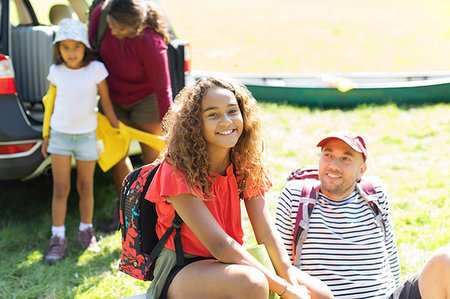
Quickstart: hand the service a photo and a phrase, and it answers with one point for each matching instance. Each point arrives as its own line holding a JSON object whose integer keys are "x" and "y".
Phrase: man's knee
{"x": 435, "y": 275}
{"x": 439, "y": 262}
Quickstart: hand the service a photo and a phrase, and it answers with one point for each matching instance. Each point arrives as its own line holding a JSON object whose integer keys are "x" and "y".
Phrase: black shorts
{"x": 408, "y": 289}
{"x": 177, "y": 269}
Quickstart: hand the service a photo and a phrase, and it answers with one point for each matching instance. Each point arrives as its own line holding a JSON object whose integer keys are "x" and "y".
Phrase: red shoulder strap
{"x": 367, "y": 189}
{"x": 309, "y": 191}
{"x": 305, "y": 172}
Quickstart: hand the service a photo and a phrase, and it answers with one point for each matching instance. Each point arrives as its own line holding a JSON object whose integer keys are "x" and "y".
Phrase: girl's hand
{"x": 296, "y": 292}
{"x": 44, "y": 147}
{"x": 107, "y": 107}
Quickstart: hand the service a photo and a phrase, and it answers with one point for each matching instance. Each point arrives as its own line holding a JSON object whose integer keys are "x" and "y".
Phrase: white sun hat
{"x": 72, "y": 29}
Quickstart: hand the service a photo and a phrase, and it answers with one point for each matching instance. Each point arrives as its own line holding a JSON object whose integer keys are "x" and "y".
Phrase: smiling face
{"x": 72, "y": 52}
{"x": 121, "y": 31}
{"x": 222, "y": 120}
{"x": 340, "y": 167}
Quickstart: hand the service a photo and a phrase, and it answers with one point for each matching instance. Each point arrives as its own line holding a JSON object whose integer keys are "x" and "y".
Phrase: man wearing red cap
{"x": 344, "y": 244}
{"x": 342, "y": 163}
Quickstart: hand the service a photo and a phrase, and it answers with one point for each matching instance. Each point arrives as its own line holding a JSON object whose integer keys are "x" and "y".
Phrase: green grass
{"x": 408, "y": 149}
{"x": 302, "y": 36}
{"x": 408, "y": 146}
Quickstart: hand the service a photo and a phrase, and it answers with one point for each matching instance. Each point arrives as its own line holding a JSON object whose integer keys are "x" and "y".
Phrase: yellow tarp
{"x": 113, "y": 143}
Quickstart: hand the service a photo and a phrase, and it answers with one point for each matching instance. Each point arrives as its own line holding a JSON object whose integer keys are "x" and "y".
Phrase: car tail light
{"x": 7, "y": 85}
{"x": 187, "y": 57}
{"x": 10, "y": 149}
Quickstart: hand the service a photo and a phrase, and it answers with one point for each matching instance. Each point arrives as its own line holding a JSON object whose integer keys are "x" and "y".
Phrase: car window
{"x": 42, "y": 9}
{"x": 13, "y": 17}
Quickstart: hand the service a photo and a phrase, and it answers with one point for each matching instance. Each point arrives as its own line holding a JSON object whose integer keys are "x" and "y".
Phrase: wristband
{"x": 285, "y": 288}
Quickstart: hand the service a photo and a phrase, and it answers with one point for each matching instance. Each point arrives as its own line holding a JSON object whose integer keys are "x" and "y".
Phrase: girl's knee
{"x": 251, "y": 283}
{"x": 61, "y": 190}
{"x": 85, "y": 188}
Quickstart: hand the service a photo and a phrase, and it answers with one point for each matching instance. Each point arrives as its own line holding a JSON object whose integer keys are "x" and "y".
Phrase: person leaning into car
{"x": 134, "y": 50}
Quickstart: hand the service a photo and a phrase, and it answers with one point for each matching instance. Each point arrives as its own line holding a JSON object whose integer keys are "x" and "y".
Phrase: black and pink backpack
{"x": 140, "y": 243}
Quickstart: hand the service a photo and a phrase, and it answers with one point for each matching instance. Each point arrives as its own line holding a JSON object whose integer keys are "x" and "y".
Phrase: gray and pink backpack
{"x": 308, "y": 198}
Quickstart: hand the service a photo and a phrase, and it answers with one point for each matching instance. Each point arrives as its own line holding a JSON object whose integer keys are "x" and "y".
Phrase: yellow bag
{"x": 112, "y": 143}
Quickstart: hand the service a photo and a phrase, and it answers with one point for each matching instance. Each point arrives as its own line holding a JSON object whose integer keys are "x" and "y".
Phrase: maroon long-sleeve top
{"x": 137, "y": 66}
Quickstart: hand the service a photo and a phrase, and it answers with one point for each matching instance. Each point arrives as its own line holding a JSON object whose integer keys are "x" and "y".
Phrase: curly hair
{"x": 139, "y": 14}
{"x": 186, "y": 145}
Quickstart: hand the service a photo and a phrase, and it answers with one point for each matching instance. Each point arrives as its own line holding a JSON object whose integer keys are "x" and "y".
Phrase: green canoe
{"x": 346, "y": 89}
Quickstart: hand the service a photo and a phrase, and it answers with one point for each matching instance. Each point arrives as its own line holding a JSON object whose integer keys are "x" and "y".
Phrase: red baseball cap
{"x": 353, "y": 140}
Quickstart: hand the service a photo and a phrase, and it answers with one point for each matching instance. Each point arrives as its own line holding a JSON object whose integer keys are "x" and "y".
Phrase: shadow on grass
{"x": 31, "y": 200}
{"x": 401, "y": 106}
{"x": 24, "y": 275}
{"x": 25, "y": 228}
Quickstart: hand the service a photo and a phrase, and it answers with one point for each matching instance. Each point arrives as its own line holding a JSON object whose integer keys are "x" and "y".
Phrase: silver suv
{"x": 25, "y": 57}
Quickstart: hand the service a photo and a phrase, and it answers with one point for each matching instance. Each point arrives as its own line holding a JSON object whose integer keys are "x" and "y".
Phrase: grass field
{"x": 301, "y": 36}
{"x": 408, "y": 148}
{"x": 408, "y": 145}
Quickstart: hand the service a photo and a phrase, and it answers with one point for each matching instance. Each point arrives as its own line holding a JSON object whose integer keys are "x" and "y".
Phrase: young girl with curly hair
{"x": 213, "y": 162}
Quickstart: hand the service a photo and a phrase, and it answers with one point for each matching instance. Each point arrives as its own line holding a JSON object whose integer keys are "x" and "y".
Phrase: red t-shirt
{"x": 137, "y": 66}
{"x": 225, "y": 206}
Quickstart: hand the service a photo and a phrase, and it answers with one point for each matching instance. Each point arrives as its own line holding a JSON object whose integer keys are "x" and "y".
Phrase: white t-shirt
{"x": 76, "y": 97}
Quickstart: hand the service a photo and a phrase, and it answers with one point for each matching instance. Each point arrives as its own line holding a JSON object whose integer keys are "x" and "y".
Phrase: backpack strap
{"x": 101, "y": 30}
{"x": 305, "y": 172}
{"x": 176, "y": 225}
{"x": 308, "y": 197}
{"x": 368, "y": 193}
{"x": 126, "y": 187}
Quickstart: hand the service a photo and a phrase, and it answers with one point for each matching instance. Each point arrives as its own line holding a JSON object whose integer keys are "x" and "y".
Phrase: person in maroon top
{"x": 134, "y": 50}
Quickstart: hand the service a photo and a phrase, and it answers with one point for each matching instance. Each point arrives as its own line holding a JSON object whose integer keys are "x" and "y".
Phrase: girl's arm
{"x": 107, "y": 107}
{"x": 198, "y": 218}
{"x": 266, "y": 233}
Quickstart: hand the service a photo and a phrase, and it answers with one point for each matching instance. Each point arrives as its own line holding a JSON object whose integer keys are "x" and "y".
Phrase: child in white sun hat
{"x": 78, "y": 78}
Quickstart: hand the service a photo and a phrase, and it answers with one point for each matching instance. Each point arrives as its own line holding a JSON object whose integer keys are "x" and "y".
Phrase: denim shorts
{"x": 82, "y": 146}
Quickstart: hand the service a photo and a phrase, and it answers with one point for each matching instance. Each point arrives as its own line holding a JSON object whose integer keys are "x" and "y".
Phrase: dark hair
{"x": 57, "y": 57}
{"x": 139, "y": 14}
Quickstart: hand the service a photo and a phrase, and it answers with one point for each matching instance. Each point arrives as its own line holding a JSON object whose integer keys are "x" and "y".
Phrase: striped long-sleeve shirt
{"x": 344, "y": 247}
